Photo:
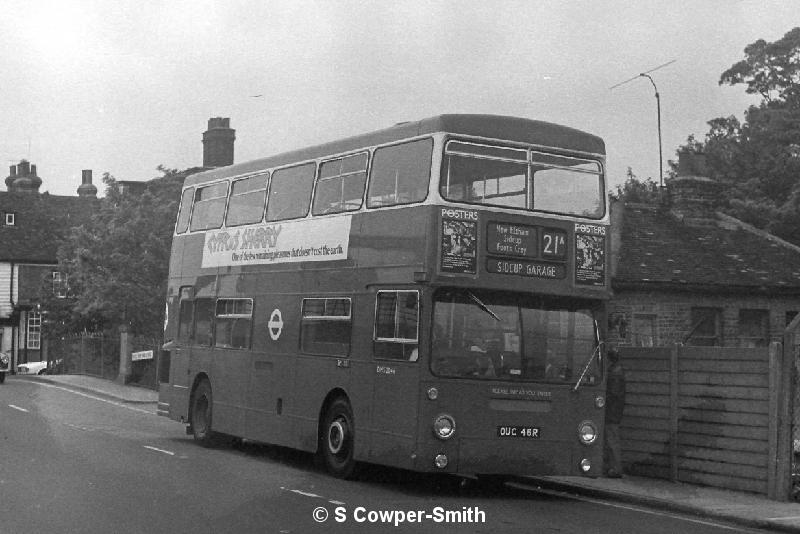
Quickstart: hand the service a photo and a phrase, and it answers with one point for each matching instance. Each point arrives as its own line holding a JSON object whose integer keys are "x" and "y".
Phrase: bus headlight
{"x": 600, "y": 401}
{"x": 586, "y": 465}
{"x": 440, "y": 461}
{"x": 444, "y": 426}
{"x": 587, "y": 432}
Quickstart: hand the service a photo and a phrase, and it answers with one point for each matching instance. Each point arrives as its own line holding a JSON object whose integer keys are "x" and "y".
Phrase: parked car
{"x": 32, "y": 368}
{"x": 5, "y": 365}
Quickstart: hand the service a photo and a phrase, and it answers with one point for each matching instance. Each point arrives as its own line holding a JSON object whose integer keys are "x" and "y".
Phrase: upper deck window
{"x": 246, "y": 205}
{"x": 290, "y": 192}
{"x": 209, "y": 206}
{"x": 186, "y": 209}
{"x": 400, "y": 174}
{"x": 340, "y": 186}
{"x": 515, "y": 178}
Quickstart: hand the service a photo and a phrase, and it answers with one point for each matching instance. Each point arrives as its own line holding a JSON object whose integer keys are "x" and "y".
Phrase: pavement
{"x": 738, "y": 508}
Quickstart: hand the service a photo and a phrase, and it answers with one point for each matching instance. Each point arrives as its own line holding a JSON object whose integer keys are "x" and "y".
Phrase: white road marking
{"x": 338, "y": 503}
{"x": 306, "y": 494}
{"x": 792, "y": 518}
{"x": 18, "y": 408}
{"x": 159, "y": 450}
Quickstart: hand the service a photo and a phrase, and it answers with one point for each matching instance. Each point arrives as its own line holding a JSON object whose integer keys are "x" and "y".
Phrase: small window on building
{"x": 790, "y": 315}
{"x": 185, "y": 210}
{"x": 11, "y": 218}
{"x": 246, "y": 205}
{"x": 753, "y": 328}
{"x": 706, "y": 328}
{"x": 325, "y": 326}
{"x": 60, "y": 286}
{"x": 234, "y": 323}
{"x": 397, "y": 325}
{"x": 34, "y": 330}
{"x": 340, "y": 186}
{"x": 643, "y": 330}
{"x": 204, "y": 322}
{"x": 209, "y": 206}
{"x": 400, "y": 174}
{"x": 290, "y": 192}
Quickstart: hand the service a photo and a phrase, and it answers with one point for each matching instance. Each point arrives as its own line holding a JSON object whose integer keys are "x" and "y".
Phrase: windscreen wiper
{"x": 483, "y": 306}
{"x": 586, "y": 367}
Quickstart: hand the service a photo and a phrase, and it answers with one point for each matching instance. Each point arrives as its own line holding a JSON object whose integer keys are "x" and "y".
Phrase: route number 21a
{"x": 554, "y": 244}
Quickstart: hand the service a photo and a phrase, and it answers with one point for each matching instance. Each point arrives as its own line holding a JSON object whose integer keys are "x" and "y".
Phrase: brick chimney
{"x": 218, "y": 143}
{"x": 87, "y": 188}
{"x": 22, "y": 178}
{"x": 693, "y": 195}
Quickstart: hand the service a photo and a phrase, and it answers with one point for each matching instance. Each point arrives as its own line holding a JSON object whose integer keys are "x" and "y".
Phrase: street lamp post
{"x": 658, "y": 109}
{"x": 646, "y": 74}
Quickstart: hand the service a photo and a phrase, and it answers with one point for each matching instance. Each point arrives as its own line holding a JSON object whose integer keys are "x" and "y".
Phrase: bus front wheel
{"x": 201, "y": 414}
{"x": 337, "y": 437}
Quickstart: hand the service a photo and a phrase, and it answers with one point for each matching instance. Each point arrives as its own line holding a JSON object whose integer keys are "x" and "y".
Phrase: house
{"x": 682, "y": 272}
{"x": 32, "y": 225}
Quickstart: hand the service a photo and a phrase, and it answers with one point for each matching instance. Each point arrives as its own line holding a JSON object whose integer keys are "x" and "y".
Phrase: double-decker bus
{"x": 429, "y": 296}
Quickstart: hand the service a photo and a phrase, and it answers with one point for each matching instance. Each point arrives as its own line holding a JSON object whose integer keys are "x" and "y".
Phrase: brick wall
{"x": 671, "y": 315}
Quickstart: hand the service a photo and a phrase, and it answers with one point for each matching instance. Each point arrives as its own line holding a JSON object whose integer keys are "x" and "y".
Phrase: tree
{"x": 771, "y": 70}
{"x": 758, "y": 160}
{"x": 117, "y": 264}
{"x": 635, "y": 190}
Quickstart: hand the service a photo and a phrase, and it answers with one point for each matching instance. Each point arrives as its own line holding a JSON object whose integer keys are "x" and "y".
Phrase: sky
{"x": 121, "y": 87}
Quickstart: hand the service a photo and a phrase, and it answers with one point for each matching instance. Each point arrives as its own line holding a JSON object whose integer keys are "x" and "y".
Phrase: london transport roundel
{"x": 275, "y": 324}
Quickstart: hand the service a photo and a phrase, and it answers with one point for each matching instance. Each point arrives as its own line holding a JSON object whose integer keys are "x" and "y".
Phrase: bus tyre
{"x": 337, "y": 437}
{"x": 200, "y": 419}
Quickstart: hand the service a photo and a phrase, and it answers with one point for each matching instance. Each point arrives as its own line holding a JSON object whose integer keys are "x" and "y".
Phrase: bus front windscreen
{"x": 504, "y": 336}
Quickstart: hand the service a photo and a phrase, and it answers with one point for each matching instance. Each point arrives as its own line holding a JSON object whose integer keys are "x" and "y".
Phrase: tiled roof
{"x": 717, "y": 253}
{"x": 42, "y": 222}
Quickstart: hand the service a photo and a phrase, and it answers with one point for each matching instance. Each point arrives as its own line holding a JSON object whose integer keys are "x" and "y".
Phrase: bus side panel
{"x": 395, "y": 412}
{"x": 271, "y": 377}
{"x": 173, "y": 396}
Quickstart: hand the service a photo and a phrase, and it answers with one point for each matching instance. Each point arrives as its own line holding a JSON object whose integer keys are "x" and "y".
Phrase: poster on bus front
{"x": 459, "y": 246}
{"x": 590, "y": 262}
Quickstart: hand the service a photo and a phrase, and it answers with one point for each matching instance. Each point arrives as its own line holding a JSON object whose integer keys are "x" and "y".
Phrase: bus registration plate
{"x": 530, "y": 432}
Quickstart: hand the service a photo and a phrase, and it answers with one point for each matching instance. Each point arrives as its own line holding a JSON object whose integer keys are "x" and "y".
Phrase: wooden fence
{"x": 707, "y": 415}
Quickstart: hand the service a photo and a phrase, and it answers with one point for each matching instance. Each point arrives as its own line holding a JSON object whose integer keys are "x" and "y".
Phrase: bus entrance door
{"x": 394, "y": 412}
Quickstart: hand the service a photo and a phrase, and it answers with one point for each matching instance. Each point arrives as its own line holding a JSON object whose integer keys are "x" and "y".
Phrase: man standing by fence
{"x": 615, "y": 404}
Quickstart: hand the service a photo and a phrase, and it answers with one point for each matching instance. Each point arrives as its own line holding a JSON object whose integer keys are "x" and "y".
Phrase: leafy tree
{"x": 759, "y": 159}
{"x": 635, "y": 190}
{"x": 117, "y": 263}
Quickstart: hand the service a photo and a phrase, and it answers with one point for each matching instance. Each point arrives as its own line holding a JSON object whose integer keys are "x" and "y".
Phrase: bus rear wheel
{"x": 200, "y": 419}
{"x": 337, "y": 438}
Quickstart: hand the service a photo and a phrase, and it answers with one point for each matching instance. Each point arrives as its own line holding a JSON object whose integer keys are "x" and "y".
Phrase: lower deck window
{"x": 325, "y": 326}
{"x": 234, "y": 323}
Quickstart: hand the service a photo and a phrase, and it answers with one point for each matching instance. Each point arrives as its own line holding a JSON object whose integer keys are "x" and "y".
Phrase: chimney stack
{"x": 218, "y": 143}
{"x": 693, "y": 195}
{"x": 87, "y": 189}
{"x": 22, "y": 178}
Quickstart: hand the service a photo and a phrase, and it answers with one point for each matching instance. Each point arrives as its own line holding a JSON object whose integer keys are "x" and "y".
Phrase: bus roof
{"x": 491, "y": 126}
